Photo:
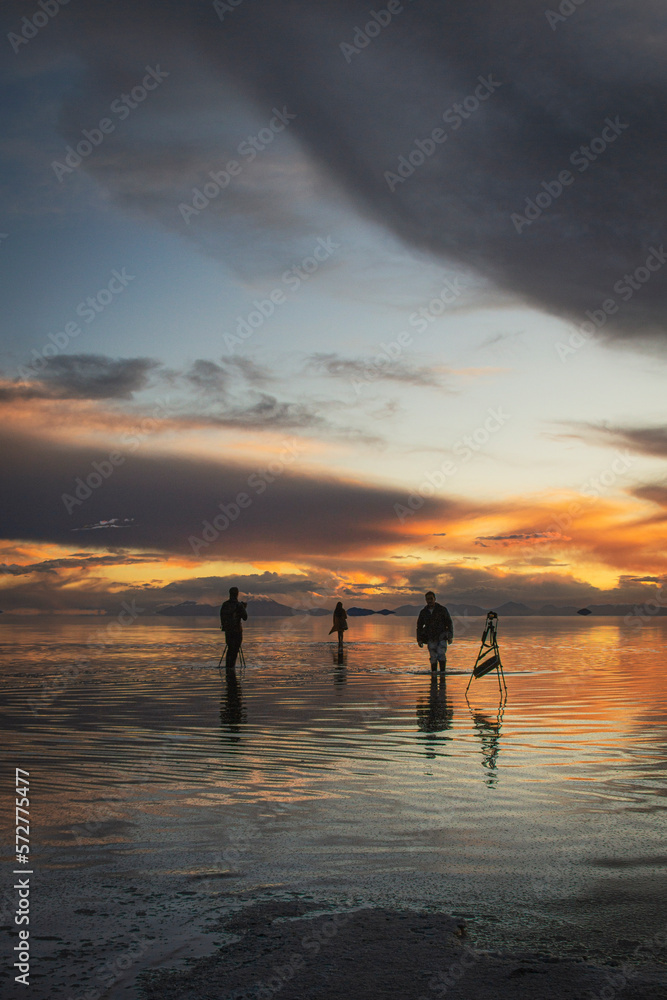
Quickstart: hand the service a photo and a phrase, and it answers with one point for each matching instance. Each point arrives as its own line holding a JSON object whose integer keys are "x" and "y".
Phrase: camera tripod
{"x": 489, "y": 649}
{"x": 241, "y": 658}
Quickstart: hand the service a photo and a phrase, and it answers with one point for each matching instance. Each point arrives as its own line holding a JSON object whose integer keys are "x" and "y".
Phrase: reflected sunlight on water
{"x": 362, "y": 780}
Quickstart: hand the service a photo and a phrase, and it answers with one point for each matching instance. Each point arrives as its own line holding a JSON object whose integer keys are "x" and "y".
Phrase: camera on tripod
{"x": 491, "y": 625}
{"x": 488, "y": 658}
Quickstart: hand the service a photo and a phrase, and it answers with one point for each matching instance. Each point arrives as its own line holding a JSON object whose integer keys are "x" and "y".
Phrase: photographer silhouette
{"x": 232, "y": 613}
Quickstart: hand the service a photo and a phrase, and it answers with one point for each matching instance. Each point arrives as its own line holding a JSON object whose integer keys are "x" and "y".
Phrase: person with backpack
{"x": 232, "y": 612}
{"x": 436, "y": 629}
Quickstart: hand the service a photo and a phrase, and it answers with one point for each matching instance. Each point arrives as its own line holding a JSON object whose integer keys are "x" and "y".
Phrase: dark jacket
{"x": 434, "y": 625}
{"x": 339, "y": 621}
{"x": 231, "y": 614}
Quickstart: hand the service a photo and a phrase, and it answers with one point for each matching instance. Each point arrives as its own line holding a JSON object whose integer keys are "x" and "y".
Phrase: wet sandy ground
{"x": 301, "y": 951}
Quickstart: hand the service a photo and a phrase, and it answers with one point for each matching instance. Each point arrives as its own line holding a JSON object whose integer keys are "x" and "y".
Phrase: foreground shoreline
{"x": 310, "y": 950}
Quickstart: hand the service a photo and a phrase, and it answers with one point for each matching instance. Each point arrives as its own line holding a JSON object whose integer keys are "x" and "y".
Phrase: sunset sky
{"x": 332, "y": 313}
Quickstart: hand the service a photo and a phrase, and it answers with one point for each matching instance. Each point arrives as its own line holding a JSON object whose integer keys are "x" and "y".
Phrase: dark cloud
{"x": 206, "y": 376}
{"x": 217, "y": 395}
{"x": 268, "y": 411}
{"x": 489, "y": 588}
{"x": 173, "y": 498}
{"x": 643, "y": 440}
{"x": 655, "y": 492}
{"x": 93, "y": 376}
{"x": 263, "y": 411}
{"x": 110, "y": 524}
{"x": 12, "y": 392}
{"x": 258, "y": 584}
{"x": 527, "y": 537}
{"x": 81, "y": 561}
{"x": 368, "y": 370}
{"x": 249, "y": 370}
{"x": 552, "y": 93}
{"x": 209, "y": 377}
{"x": 505, "y": 336}
{"x": 83, "y": 376}
{"x": 641, "y": 579}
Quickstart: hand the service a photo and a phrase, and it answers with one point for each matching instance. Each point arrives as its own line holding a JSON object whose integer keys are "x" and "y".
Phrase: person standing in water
{"x": 232, "y": 613}
{"x": 436, "y": 629}
{"x": 339, "y": 622}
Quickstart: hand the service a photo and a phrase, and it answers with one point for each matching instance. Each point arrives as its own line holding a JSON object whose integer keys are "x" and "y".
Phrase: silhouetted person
{"x": 339, "y": 622}
{"x": 232, "y": 613}
{"x": 436, "y": 629}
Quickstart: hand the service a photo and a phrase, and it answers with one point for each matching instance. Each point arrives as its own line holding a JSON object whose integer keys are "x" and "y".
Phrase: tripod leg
{"x": 222, "y": 654}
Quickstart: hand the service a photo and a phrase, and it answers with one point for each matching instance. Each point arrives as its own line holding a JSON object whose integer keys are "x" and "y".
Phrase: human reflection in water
{"x": 232, "y": 713}
{"x": 488, "y": 728}
{"x": 340, "y": 667}
{"x": 435, "y": 714}
{"x": 339, "y": 656}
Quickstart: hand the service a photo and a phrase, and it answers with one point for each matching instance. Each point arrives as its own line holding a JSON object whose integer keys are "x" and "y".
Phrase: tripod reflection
{"x": 488, "y": 728}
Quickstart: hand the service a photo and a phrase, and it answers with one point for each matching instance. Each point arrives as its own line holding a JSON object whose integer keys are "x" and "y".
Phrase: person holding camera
{"x": 232, "y": 612}
{"x": 436, "y": 629}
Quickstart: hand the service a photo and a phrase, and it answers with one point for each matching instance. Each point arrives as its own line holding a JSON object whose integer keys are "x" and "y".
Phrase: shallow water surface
{"x": 163, "y": 794}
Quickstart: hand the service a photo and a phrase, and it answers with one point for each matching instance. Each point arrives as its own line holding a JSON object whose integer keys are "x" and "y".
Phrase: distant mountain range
{"x": 260, "y": 608}
{"x": 367, "y": 611}
{"x": 263, "y": 607}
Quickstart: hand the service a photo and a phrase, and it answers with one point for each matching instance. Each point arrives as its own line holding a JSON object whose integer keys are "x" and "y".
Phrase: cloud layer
{"x": 586, "y": 96}
{"x": 171, "y": 500}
